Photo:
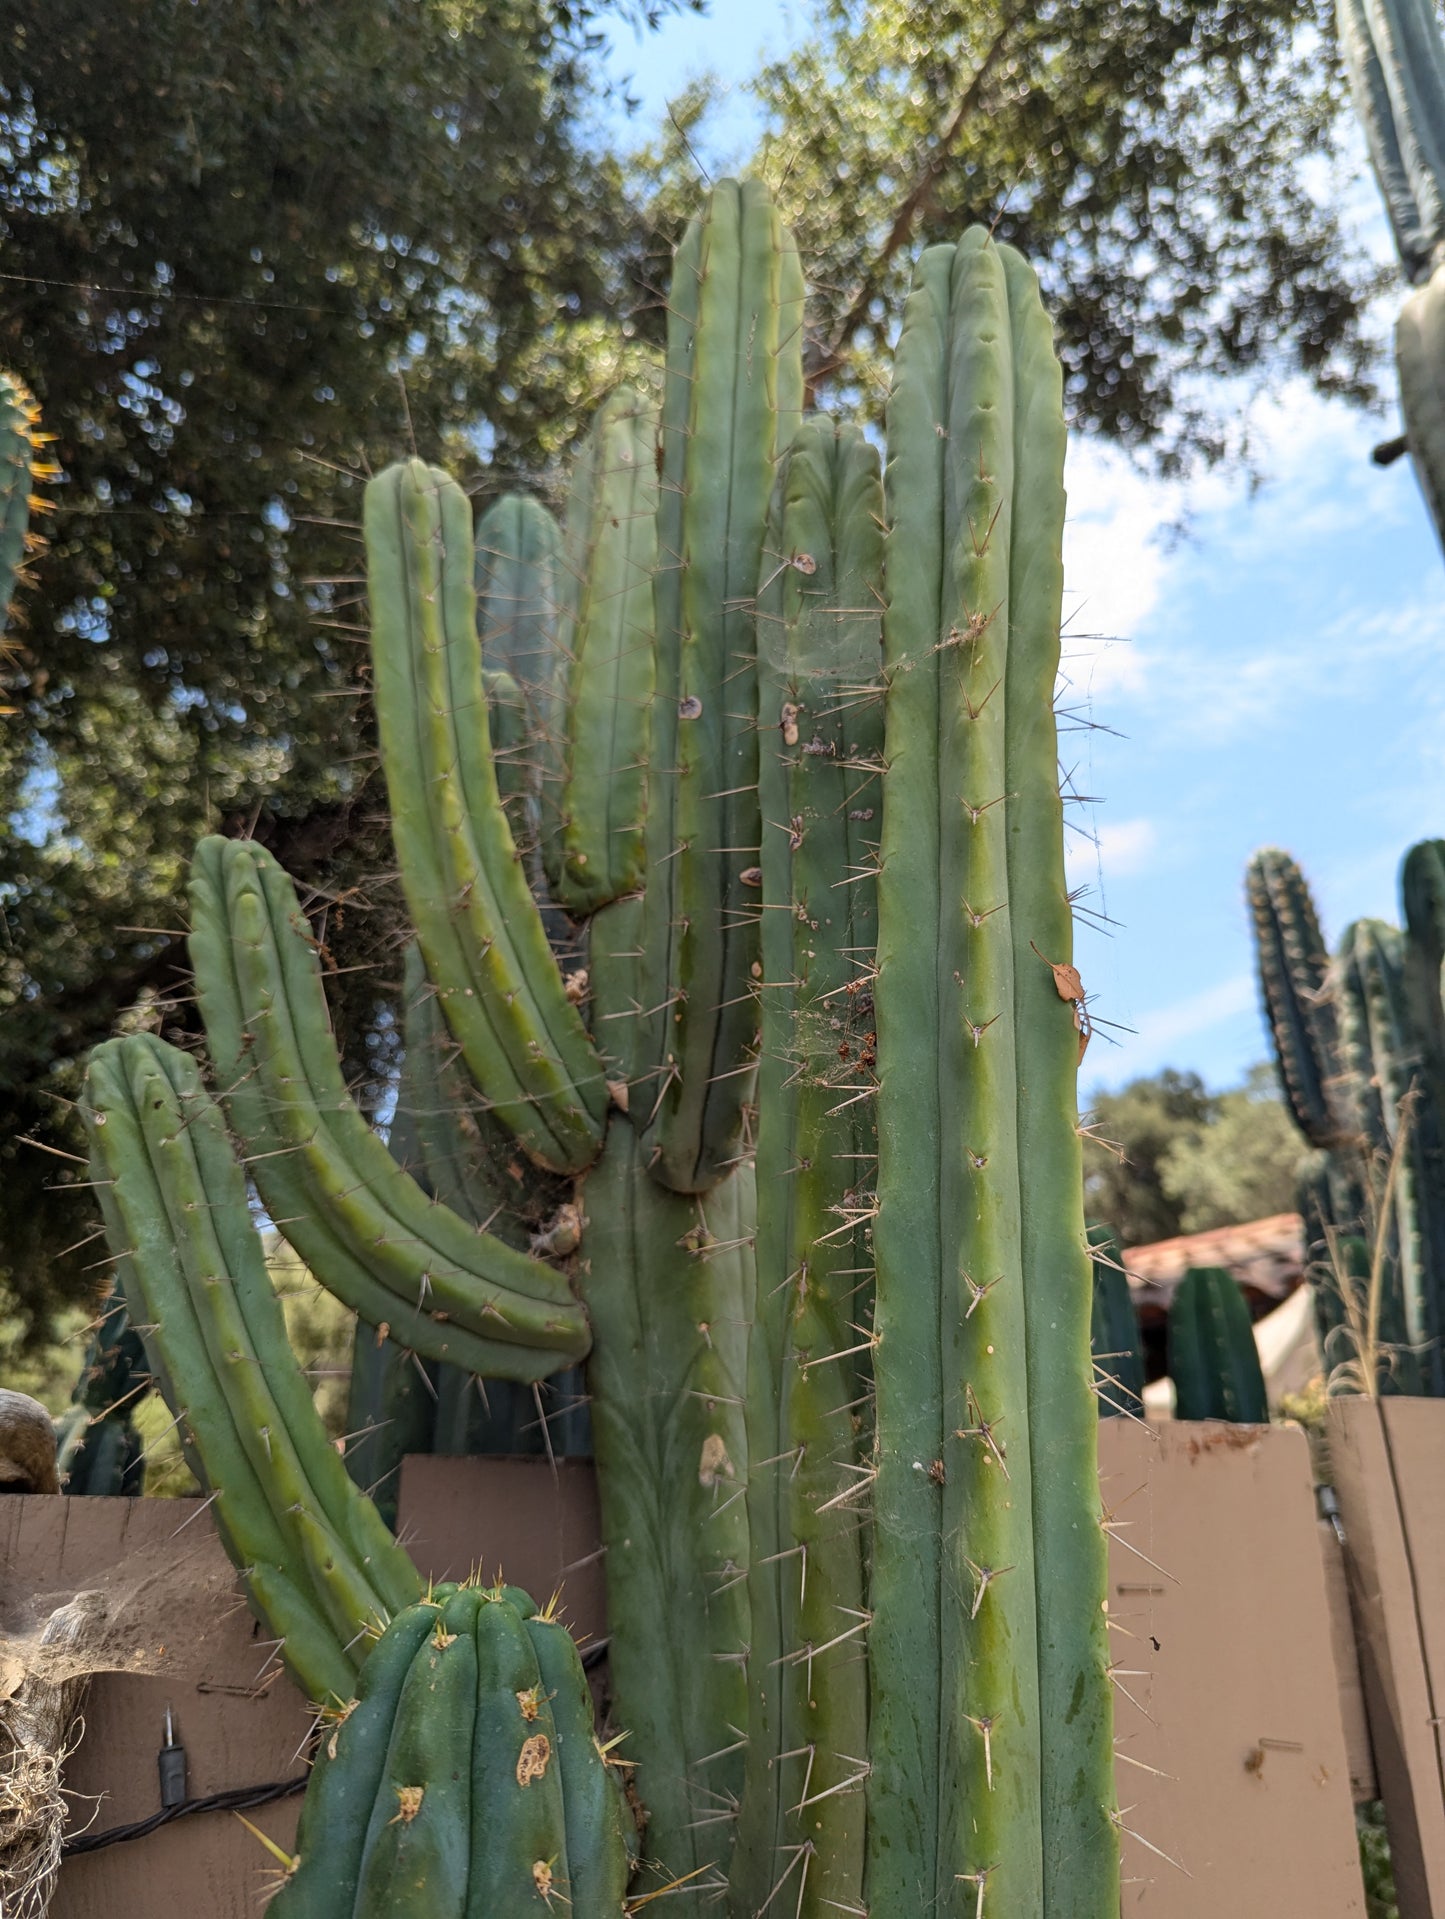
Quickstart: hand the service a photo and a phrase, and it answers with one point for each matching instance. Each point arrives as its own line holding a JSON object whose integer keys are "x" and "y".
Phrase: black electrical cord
{"x": 238, "y": 1799}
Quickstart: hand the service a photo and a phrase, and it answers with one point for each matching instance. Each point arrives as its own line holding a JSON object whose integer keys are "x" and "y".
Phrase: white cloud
{"x": 1123, "y": 570}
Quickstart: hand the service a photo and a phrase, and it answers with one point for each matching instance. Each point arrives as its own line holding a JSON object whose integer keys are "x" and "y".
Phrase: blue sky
{"x": 1274, "y": 678}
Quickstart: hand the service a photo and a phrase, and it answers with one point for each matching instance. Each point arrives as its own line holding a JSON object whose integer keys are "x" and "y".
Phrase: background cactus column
{"x": 990, "y": 1742}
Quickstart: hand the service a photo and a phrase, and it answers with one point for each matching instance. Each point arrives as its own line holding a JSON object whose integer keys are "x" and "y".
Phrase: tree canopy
{"x": 1170, "y": 167}
{"x": 245, "y": 249}
{"x": 1164, "y": 1156}
{"x": 249, "y": 249}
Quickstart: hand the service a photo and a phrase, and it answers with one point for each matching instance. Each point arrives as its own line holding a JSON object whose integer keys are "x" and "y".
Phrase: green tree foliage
{"x": 1165, "y": 164}
{"x": 1241, "y": 1165}
{"x": 245, "y": 249}
{"x": 1165, "y": 1156}
{"x": 249, "y": 247}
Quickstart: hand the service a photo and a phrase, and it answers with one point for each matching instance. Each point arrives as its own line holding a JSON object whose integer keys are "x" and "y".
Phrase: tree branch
{"x": 915, "y": 198}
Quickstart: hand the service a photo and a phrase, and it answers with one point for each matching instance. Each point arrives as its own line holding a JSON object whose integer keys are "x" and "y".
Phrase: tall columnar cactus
{"x": 22, "y": 466}
{"x": 321, "y": 1568}
{"x": 820, "y": 709}
{"x": 1213, "y": 1359}
{"x": 1397, "y": 1116}
{"x": 1396, "y": 64}
{"x": 856, "y": 1643}
{"x": 1294, "y": 964}
{"x": 991, "y": 1765}
{"x": 1114, "y": 1330}
{"x": 1367, "y": 1089}
{"x": 465, "y": 1778}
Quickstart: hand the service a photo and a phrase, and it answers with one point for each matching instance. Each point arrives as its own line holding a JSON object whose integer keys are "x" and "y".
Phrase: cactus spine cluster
{"x": 465, "y": 1778}
{"x": 1360, "y": 1044}
{"x": 1396, "y": 64}
{"x": 805, "y": 1078}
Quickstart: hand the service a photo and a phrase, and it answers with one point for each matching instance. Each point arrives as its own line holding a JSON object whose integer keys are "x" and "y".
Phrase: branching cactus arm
{"x": 482, "y": 933}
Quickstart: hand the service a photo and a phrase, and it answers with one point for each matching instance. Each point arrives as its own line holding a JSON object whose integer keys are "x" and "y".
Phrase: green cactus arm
{"x": 1080, "y": 1837}
{"x": 669, "y": 1283}
{"x": 1293, "y": 965}
{"x": 347, "y": 1775}
{"x": 732, "y": 397}
{"x": 820, "y": 754}
{"x": 1114, "y": 1331}
{"x": 524, "y": 590}
{"x": 358, "y": 1219}
{"x": 418, "y": 1850}
{"x": 524, "y": 1043}
{"x": 1396, "y": 67}
{"x": 245, "y": 1332}
{"x": 1213, "y": 1360}
{"x": 608, "y": 654}
{"x": 178, "y": 1219}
